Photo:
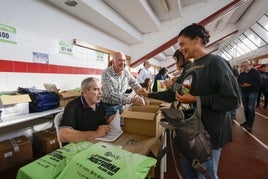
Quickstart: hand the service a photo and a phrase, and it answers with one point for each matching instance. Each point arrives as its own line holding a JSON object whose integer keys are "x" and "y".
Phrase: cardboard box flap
{"x": 138, "y": 115}
{"x": 165, "y": 105}
{"x": 51, "y": 87}
{"x": 69, "y": 93}
{"x": 63, "y": 94}
{"x": 14, "y": 99}
{"x": 145, "y": 108}
{"x": 155, "y": 101}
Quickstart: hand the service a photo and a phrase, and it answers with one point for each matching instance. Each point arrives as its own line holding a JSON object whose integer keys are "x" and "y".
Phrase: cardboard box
{"x": 140, "y": 122}
{"x": 46, "y": 141}
{"x": 65, "y": 95}
{"x": 14, "y": 105}
{"x": 14, "y": 152}
{"x": 155, "y": 101}
{"x": 145, "y": 108}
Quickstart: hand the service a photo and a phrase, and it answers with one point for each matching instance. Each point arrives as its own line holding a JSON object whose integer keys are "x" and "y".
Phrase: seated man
{"x": 84, "y": 117}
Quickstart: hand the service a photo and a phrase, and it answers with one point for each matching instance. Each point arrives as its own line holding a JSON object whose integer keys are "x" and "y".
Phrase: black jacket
{"x": 212, "y": 80}
{"x": 252, "y": 77}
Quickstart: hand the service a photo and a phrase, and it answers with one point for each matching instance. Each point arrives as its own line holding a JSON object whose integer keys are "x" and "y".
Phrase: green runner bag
{"x": 104, "y": 161}
{"x": 51, "y": 165}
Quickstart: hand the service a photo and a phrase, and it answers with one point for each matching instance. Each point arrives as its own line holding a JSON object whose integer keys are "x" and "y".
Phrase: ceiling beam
{"x": 204, "y": 22}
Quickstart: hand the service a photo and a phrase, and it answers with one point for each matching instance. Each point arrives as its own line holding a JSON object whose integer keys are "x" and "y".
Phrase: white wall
{"x": 39, "y": 27}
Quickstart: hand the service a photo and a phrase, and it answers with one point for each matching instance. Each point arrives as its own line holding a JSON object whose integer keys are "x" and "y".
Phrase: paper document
{"x": 133, "y": 94}
{"x": 116, "y": 130}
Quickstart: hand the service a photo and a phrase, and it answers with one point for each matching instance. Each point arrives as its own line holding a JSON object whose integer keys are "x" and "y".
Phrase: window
{"x": 252, "y": 39}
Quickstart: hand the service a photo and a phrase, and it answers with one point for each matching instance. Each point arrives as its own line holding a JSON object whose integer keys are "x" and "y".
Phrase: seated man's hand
{"x": 102, "y": 130}
{"x": 110, "y": 119}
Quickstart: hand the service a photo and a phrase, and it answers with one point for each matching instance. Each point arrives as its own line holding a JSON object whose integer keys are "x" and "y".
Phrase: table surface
{"x": 137, "y": 143}
{"x": 4, "y": 122}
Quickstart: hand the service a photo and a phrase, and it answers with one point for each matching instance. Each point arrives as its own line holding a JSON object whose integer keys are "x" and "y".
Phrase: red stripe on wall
{"x": 27, "y": 67}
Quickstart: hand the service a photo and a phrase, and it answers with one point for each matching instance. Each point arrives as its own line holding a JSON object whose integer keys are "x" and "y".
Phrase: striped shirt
{"x": 114, "y": 86}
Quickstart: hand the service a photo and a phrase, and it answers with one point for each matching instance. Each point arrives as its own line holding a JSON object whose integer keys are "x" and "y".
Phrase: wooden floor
{"x": 245, "y": 158}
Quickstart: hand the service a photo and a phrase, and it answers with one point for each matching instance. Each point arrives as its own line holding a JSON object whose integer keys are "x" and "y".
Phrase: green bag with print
{"x": 105, "y": 161}
{"x": 52, "y": 164}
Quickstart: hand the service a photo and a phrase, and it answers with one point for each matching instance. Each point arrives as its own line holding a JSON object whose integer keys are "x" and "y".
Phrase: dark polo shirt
{"x": 79, "y": 116}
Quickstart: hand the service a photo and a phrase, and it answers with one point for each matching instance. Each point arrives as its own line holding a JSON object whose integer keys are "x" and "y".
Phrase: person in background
{"x": 264, "y": 86}
{"x": 169, "y": 95}
{"x": 180, "y": 64}
{"x": 147, "y": 85}
{"x": 145, "y": 72}
{"x": 236, "y": 74}
{"x": 161, "y": 75}
{"x": 249, "y": 81}
{"x": 211, "y": 83}
{"x": 115, "y": 81}
{"x": 83, "y": 118}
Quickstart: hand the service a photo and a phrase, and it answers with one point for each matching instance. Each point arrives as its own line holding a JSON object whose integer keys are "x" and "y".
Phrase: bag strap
{"x": 170, "y": 134}
{"x": 198, "y": 106}
{"x": 195, "y": 163}
{"x": 201, "y": 169}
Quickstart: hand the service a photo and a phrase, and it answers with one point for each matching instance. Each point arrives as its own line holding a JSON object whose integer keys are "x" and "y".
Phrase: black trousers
{"x": 265, "y": 94}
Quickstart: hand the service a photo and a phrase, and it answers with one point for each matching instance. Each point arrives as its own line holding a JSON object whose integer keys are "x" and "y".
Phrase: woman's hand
{"x": 186, "y": 98}
{"x": 169, "y": 83}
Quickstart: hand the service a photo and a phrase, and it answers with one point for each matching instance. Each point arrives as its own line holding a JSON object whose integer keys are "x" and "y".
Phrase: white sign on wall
{"x": 8, "y": 34}
{"x": 65, "y": 48}
{"x": 40, "y": 58}
{"x": 98, "y": 56}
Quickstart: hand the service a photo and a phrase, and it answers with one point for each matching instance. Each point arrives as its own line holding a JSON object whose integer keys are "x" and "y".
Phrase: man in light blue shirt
{"x": 145, "y": 73}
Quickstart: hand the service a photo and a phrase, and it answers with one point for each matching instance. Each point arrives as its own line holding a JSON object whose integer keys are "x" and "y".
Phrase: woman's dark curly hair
{"x": 195, "y": 30}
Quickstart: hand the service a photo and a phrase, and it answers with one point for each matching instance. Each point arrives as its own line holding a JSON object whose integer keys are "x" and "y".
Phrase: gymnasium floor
{"x": 244, "y": 158}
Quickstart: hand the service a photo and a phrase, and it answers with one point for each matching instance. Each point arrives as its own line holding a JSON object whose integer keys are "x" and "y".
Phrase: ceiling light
{"x": 70, "y": 3}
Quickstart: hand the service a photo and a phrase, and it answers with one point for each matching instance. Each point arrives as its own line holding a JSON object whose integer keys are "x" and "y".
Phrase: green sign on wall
{"x": 8, "y": 34}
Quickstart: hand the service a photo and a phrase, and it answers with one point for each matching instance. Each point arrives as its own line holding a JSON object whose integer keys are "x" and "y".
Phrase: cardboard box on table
{"x": 155, "y": 101}
{"x": 46, "y": 141}
{"x": 65, "y": 95}
{"x": 14, "y": 152}
{"x": 142, "y": 120}
{"x": 14, "y": 105}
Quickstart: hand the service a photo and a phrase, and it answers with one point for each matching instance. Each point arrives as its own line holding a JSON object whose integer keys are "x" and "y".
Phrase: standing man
{"x": 83, "y": 118}
{"x": 249, "y": 81}
{"x": 145, "y": 73}
{"x": 115, "y": 81}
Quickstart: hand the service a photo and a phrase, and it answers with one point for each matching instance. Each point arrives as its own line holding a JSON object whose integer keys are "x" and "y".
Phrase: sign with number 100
{"x": 8, "y": 34}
